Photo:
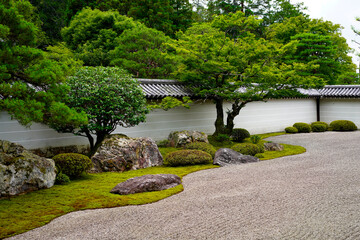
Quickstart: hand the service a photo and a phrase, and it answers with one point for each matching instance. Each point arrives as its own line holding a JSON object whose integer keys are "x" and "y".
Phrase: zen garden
{"x": 76, "y": 66}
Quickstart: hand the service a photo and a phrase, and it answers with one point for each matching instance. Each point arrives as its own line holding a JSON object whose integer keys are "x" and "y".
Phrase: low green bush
{"x": 72, "y": 164}
{"x": 163, "y": 143}
{"x": 302, "y": 127}
{"x": 222, "y": 138}
{"x": 319, "y": 127}
{"x": 206, "y": 147}
{"x": 255, "y": 139}
{"x": 239, "y": 134}
{"x": 291, "y": 130}
{"x": 319, "y": 122}
{"x": 247, "y": 148}
{"x": 259, "y": 155}
{"x": 187, "y": 157}
{"x": 62, "y": 179}
{"x": 343, "y": 125}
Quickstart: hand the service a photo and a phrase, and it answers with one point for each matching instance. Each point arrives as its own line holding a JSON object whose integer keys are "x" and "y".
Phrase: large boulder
{"x": 118, "y": 153}
{"x": 227, "y": 156}
{"x": 180, "y": 139}
{"x": 147, "y": 183}
{"x": 22, "y": 171}
{"x": 273, "y": 147}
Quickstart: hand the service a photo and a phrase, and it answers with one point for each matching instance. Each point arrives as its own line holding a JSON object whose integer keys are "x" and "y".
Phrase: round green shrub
{"x": 319, "y": 122}
{"x": 255, "y": 139}
{"x": 259, "y": 155}
{"x": 239, "y": 134}
{"x": 319, "y": 127}
{"x": 62, "y": 179}
{"x": 187, "y": 157}
{"x": 291, "y": 130}
{"x": 203, "y": 146}
{"x": 302, "y": 127}
{"x": 247, "y": 148}
{"x": 72, "y": 164}
{"x": 343, "y": 125}
{"x": 222, "y": 138}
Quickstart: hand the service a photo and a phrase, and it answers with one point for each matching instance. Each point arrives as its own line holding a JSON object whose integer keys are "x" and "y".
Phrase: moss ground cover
{"x": 22, "y": 213}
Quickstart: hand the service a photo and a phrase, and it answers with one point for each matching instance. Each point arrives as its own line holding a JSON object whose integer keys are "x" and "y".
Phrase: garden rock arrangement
{"x": 227, "y": 156}
{"x": 147, "y": 183}
{"x": 180, "y": 139}
{"x": 22, "y": 171}
{"x": 273, "y": 147}
{"x": 119, "y": 153}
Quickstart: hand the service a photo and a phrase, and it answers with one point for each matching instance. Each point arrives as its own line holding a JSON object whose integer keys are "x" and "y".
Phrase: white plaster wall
{"x": 340, "y": 109}
{"x": 257, "y": 117}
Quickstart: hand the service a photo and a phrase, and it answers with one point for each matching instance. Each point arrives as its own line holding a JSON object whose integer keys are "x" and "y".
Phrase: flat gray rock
{"x": 147, "y": 183}
{"x": 227, "y": 156}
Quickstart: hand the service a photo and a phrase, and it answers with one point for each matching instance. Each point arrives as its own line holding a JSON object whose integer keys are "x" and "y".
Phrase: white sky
{"x": 341, "y": 12}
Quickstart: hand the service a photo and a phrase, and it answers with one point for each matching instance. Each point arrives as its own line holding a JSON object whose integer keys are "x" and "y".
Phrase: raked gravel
{"x": 315, "y": 195}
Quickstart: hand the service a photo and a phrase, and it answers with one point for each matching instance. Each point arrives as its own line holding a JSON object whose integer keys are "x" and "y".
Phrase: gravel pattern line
{"x": 315, "y": 195}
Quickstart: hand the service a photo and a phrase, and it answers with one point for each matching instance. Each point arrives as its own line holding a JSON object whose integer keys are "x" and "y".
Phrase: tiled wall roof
{"x": 159, "y": 88}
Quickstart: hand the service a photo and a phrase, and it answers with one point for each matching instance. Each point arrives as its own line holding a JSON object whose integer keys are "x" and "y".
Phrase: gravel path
{"x": 315, "y": 195}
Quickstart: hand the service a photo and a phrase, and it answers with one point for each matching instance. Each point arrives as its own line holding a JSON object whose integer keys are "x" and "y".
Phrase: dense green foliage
{"x": 343, "y": 125}
{"x": 291, "y": 130}
{"x": 247, "y": 149}
{"x": 206, "y": 147}
{"x": 62, "y": 179}
{"x": 320, "y": 122}
{"x": 109, "y": 97}
{"x": 318, "y": 127}
{"x": 302, "y": 127}
{"x": 31, "y": 81}
{"x": 239, "y": 134}
{"x": 72, "y": 164}
{"x": 187, "y": 157}
{"x": 255, "y": 139}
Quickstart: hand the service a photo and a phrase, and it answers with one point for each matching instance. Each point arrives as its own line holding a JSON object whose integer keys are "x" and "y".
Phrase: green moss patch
{"x": 288, "y": 150}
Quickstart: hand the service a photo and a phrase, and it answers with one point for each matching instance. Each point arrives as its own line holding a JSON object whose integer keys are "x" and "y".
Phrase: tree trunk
{"x": 234, "y": 112}
{"x": 100, "y": 136}
{"x": 219, "y": 123}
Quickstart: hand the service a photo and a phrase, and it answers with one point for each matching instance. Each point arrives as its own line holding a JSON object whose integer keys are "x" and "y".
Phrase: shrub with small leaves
{"x": 319, "y": 127}
{"x": 239, "y": 134}
{"x": 72, "y": 164}
{"x": 187, "y": 157}
{"x": 62, "y": 179}
{"x": 343, "y": 125}
{"x": 319, "y": 122}
{"x": 302, "y": 127}
{"x": 247, "y": 148}
{"x": 222, "y": 138}
{"x": 206, "y": 147}
{"x": 255, "y": 139}
{"x": 291, "y": 130}
{"x": 163, "y": 143}
{"x": 259, "y": 155}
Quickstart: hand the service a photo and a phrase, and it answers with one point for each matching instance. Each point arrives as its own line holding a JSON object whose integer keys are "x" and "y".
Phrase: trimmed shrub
{"x": 259, "y": 155}
{"x": 291, "y": 130}
{"x": 255, "y": 139}
{"x": 239, "y": 134}
{"x": 302, "y": 127}
{"x": 187, "y": 157}
{"x": 247, "y": 148}
{"x": 343, "y": 125}
{"x": 72, "y": 164}
{"x": 62, "y": 179}
{"x": 319, "y": 127}
{"x": 222, "y": 138}
{"x": 206, "y": 147}
{"x": 319, "y": 122}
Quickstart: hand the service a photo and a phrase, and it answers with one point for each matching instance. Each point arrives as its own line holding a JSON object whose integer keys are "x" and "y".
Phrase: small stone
{"x": 227, "y": 156}
{"x": 273, "y": 147}
{"x": 119, "y": 153}
{"x": 180, "y": 139}
{"x": 147, "y": 183}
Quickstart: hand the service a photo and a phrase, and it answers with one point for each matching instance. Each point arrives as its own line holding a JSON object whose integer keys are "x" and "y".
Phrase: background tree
{"x": 142, "y": 52}
{"x": 31, "y": 82}
{"x": 318, "y": 42}
{"x": 109, "y": 97}
{"x": 239, "y": 67}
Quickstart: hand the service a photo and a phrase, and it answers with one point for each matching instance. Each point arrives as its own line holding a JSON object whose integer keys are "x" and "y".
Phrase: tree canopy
{"x": 31, "y": 88}
{"x": 109, "y": 97}
{"x": 225, "y": 60}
